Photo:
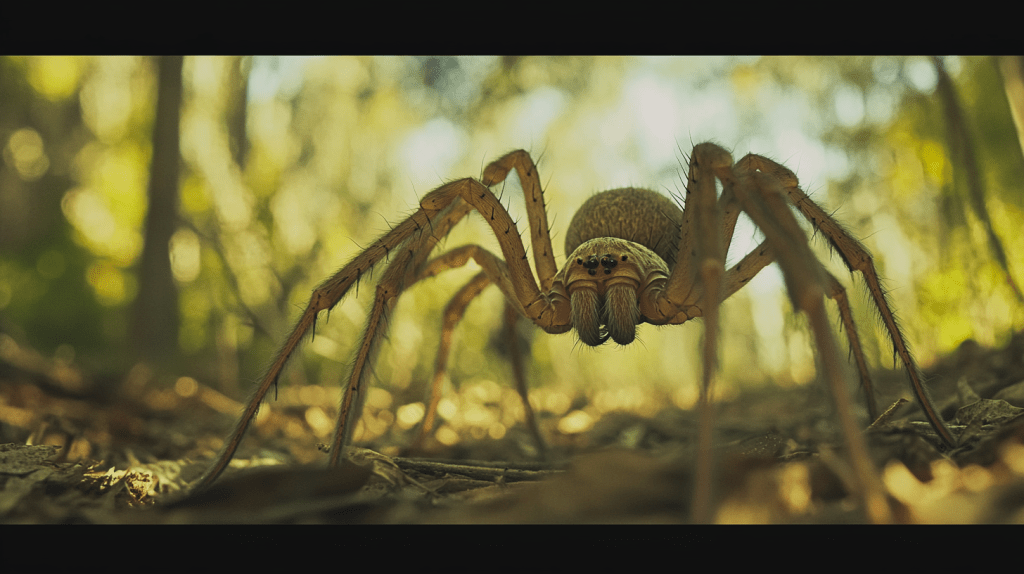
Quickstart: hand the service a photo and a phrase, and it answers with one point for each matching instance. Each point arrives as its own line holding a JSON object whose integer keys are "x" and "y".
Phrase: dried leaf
{"x": 21, "y": 460}
{"x": 381, "y": 466}
{"x": 987, "y": 412}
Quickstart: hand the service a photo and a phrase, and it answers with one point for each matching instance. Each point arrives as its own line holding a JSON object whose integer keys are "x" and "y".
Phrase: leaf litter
{"x": 779, "y": 452}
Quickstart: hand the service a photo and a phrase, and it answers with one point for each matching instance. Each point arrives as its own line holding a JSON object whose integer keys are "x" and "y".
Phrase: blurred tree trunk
{"x": 238, "y": 138}
{"x": 237, "y": 109}
{"x": 963, "y": 153}
{"x": 1012, "y": 68}
{"x": 154, "y": 329}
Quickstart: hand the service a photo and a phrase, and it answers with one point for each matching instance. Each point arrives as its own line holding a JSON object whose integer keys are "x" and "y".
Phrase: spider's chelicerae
{"x": 633, "y": 256}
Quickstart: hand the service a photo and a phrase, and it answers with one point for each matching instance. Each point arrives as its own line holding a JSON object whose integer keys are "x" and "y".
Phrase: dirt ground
{"x": 69, "y": 455}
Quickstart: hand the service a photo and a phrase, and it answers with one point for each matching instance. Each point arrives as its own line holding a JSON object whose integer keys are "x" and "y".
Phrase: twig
{"x": 490, "y": 471}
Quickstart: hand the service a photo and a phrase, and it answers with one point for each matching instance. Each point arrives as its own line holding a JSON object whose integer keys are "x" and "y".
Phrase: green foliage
{"x": 290, "y": 166}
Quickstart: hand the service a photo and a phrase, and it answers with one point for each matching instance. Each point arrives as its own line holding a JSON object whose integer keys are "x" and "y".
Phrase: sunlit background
{"x": 291, "y": 165}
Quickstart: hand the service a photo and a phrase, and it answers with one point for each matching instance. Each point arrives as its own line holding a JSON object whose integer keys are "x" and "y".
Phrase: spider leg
{"x": 857, "y": 258}
{"x": 758, "y": 259}
{"x": 748, "y": 267}
{"x": 705, "y": 230}
{"x": 701, "y": 261}
{"x": 519, "y": 373}
{"x": 402, "y": 272}
{"x": 548, "y": 310}
{"x": 324, "y": 298}
{"x": 730, "y": 208}
{"x": 763, "y": 198}
{"x": 837, "y": 293}
{"x": 391, "y": 285}
{"x": 494, "y": 271}
{"x": 540, "y": 235}
{"x": 438, "y": 210}
{"x": 453, "y": 313}
{"x": 674, "y": 303}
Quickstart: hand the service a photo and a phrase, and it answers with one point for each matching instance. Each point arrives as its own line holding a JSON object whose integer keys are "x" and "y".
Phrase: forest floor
{"x": 68, "y": 456}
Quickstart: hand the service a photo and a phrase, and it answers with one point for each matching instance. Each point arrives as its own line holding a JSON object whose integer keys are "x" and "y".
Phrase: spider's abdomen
{"x": 638, "y": 215}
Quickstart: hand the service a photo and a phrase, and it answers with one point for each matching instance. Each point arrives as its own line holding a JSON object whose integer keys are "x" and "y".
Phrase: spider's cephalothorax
{"x": 619, "y": 243}
{"x": 633, "y": 256}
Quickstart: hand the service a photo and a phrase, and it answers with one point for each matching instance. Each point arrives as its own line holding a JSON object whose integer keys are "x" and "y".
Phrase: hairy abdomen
{"x": 638, "y": 215}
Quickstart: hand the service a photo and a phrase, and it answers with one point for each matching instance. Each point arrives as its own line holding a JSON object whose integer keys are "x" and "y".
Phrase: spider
{"x": 633, "y": 256}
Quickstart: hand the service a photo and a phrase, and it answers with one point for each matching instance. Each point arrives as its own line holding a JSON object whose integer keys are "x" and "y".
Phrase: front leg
{"x": 741, "y": 273}
{"x": 548, "y": 310}
{"x": 857, "y": 258}
{"x": 325, "y": 297}
{"x": 698, "y": 274}
{"x": 763, "y": 199}
{"x": 540, "y": 235}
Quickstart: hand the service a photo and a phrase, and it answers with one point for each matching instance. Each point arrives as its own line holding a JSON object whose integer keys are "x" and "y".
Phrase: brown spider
{"x": 632, "y": 257}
